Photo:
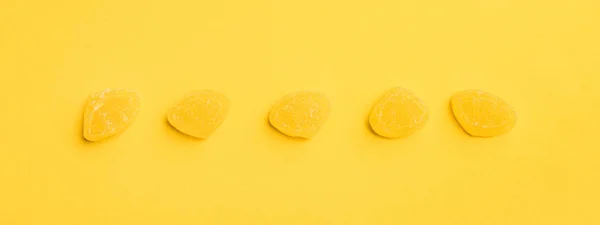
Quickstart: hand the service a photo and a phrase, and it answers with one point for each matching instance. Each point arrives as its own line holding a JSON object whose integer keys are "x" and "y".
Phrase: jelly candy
{"x": 483, "y": 114}
{"x": 199, "y": 113}
{"x": 399, "y": 113}
{"x": 109, "y": 113}
{"x": 300, "y": 114}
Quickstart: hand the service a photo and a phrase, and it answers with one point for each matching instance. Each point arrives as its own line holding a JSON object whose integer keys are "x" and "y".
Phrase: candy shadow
{"x": 79, "y": 128}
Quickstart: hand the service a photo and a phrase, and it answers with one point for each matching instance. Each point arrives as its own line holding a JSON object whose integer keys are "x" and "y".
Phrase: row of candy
{"x": 399, "y": 113}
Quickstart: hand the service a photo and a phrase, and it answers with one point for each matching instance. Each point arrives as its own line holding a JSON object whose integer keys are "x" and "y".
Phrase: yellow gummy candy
{"x": 399, "y": 113}
{"x": 109, "y": 113}
{"x": 199, "y": 113}
{"x": 300, "y": 114}
{"x": 483, "y": 114}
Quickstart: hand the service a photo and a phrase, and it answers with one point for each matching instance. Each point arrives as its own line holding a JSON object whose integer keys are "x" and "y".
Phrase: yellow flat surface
{"x": 543, "y": 57}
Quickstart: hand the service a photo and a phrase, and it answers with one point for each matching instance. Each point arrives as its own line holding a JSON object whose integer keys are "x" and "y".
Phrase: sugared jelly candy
{"x": 399, "y": 113}
{"x": 199, "y": 113}
{"x": 483, "y": 114}
{"x": 109, "y": 113}
{"x": 300, "y": 114}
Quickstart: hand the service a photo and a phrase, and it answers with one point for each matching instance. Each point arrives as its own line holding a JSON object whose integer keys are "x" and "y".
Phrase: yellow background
{"x": 542, "y": 56}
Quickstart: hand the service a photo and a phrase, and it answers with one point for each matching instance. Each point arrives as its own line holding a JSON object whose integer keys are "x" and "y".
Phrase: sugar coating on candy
{"x": 199, "y": 113}
{"x": 483, "y": 114}
{"x": 399, "y": 113}
{"x": 300, "y": 114}
{"x": 109, "y": 112}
